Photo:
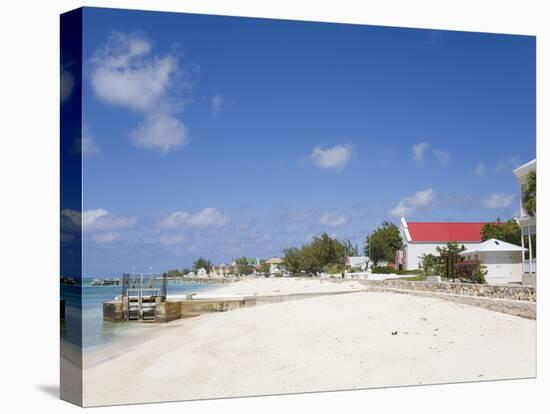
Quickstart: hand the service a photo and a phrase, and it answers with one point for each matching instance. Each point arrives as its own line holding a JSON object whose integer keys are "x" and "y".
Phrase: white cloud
{"x": 89, "y": 147}
{"x": 71, "y": 220}
{"x": 443, "y": 156}
{"x": 66, "y": 85}
{"x": 334, "y": 219}
{"x": 124, "y": 74}
{"x": 480, "y": 169}
{"x": 217, "y": 103}
{"x": 102, "y": 221}
{"x": 419, "y": 151}
{"x": 422, "y": 200}
{"x": 334, "y": 158}
{"x": 209, "y": 218}
{"x": 507, "y": 164}
{"x": 169, "y": 239}
{"x": 160, "y": 132}
{"x": 498, "y": 200}
{"x": 104, "y": 238}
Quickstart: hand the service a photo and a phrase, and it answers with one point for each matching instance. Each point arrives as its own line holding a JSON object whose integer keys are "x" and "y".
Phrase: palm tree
{"x": 351, "y": 249}
{"x": 530, "y": 194}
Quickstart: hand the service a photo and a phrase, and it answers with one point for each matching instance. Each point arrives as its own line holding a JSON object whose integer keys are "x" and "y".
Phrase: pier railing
{"x": 141, "y": 293}
{"x": 150, "y": 284}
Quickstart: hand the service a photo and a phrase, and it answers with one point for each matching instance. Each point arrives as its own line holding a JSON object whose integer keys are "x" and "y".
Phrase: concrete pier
{"x": 188, "y": 306}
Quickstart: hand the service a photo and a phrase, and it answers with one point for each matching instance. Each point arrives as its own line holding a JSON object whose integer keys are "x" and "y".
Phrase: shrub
{"x": 471, "y": 271}
{"x": 382, "y": 270}
{"x": 430, "y": 265}
{"x": 408, "y": 272}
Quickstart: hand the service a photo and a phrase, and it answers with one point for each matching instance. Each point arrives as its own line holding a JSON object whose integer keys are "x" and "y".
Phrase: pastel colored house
{"x": 503, "y": 261}
{"x": 528, "y": 226}
{"x": 421, "y": 238}
{"x": 222, "y": 270}
{"x": 251, "y": 261}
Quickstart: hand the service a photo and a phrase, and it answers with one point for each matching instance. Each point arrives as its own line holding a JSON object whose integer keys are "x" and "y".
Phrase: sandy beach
{"x": 282, "y": 286}
{"x": 357, "y": 340}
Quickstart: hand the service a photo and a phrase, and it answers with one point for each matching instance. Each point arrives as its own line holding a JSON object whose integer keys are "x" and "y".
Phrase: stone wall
{"x": 513, "y": 300}
{"x": 167, "y": 311}
{"x": 196, "y": 307}
{"x": 525, "y": 293}
{"x": 529, "y": 279}
{"x": 521, "y": 308}
{"x": 173, "y": 309}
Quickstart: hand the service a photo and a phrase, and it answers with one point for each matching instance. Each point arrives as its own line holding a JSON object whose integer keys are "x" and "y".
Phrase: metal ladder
{"x": 142, "y": 303}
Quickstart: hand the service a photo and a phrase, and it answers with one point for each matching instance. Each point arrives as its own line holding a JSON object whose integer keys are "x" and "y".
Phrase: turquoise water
{"x": 96, "y": 332}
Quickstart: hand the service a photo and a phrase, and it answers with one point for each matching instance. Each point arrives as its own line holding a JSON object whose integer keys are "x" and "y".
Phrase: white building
{"x": 222, "y": 270}
{"x": 503, "y": 261}
{"x": 528, "y": 226}
{"x": 360, "y": 262}
{"x": 421, "y": 238}
{"x": 276, "y": 265}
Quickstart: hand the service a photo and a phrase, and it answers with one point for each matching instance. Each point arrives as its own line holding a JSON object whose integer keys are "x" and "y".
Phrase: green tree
{"x": 264, "y": 268}
{"x": 351, "y": 249}
{"x": 383, "y": 242}
{"x": 324, "y": 252}
{"x": 293, "y": 259}
{"x": 243, "y": 265}
{"x": 529, "y": 197}
{"x": 508, "y": 231}
{"x": 174, "y": 273}
{"x": 321, "y": 254}
{"x": 449, "y": 257}
{"x": 202, "y": 263}
{"x": 430, "y": 265}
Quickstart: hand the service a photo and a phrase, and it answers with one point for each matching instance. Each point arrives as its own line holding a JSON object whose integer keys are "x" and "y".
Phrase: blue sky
{"x": 222, "y": 137}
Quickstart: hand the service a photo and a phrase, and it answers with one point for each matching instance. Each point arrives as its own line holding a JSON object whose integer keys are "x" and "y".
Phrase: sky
{"x": 224, "y": 137}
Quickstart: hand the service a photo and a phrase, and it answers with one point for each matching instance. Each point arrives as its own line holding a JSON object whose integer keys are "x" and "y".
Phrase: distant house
{"x": 202, "y": 272}
{"x": 275, "y": 265}
{"x": 421, "y": 238}
{"x": 501, "y": 259}
{"x": 528, "y": 226}
{"x": 357, "y": 262}
{"x": 275, "y": 260}
{"x": 222, "y": 270}
{"x": 251, "y": 261}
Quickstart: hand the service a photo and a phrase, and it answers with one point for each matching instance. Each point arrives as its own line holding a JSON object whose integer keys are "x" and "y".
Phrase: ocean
{"x": 95, "y": 331}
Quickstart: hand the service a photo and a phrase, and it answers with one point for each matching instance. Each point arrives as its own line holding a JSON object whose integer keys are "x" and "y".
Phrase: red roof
{"x": 445, "y": 232}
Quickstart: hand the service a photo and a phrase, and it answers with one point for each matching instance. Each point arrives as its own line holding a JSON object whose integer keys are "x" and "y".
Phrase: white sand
{"x": 315, "y": 344}
{"x": 283, "y": 286}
